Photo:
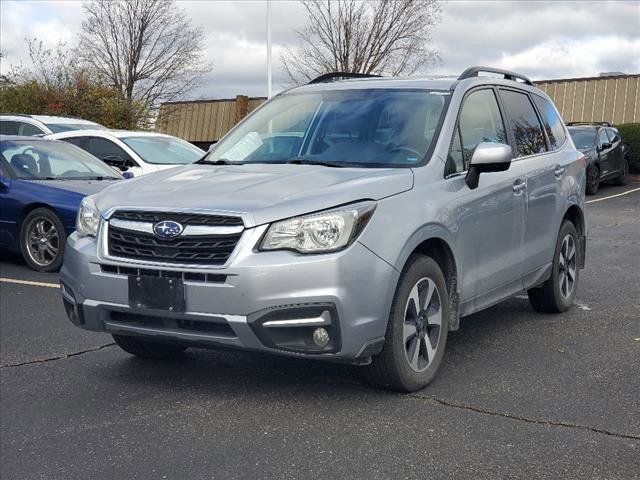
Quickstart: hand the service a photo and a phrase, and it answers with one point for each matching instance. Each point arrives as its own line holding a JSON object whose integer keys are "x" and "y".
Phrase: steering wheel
{"x": 399, "y": 148}
{"x": 31, "y": 151}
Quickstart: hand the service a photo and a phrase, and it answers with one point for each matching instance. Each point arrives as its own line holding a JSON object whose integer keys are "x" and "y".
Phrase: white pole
{"x": 269, "y": 48}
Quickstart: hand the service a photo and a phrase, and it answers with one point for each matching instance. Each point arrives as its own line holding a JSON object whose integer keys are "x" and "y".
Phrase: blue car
{"x": 42, "y": 183}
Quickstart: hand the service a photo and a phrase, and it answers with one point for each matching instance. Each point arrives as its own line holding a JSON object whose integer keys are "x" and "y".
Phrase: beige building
{"x": 613, "y": 98}
{"x": 203, "y": 122}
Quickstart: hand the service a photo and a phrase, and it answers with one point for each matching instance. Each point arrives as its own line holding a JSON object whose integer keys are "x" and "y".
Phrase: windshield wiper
{"x": 98, "y": 178}
{"x": 303, "y": 161}
{"x": 222, "y": 161}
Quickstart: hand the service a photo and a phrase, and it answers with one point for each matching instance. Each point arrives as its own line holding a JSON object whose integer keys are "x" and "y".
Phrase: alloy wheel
{"x": 43, "y": 242}
{"x": 567, "y": 266}
{"x": 422, "y": 322}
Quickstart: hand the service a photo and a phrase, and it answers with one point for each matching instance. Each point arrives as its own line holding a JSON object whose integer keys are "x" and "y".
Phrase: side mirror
{"x": 605, "y": 146}
{"x": 4, "y": 183}
{"x": 487, "y": 157}
{"x": 116, "y": 161}
{"x": 127, "y": 174}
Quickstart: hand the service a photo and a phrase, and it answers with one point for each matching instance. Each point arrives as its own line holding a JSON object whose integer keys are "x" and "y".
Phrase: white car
{"x": 136, "y": 152}
{"x": 30, "y": 125}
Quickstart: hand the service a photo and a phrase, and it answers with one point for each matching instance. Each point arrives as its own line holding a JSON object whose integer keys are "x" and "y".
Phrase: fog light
{"x": 320, "y": 337}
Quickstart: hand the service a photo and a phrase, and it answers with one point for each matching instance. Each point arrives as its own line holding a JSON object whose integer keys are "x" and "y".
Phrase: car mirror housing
{"x": 604, "y": 146}
{"x": 488, "y": 157}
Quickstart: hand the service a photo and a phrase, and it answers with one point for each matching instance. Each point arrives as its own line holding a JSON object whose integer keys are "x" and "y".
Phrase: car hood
{"x": 83, "y": 187}
{"x": 261, "y": 193}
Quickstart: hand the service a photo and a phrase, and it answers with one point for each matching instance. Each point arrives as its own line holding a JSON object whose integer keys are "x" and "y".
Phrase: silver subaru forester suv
{"x": 350, "y": 219}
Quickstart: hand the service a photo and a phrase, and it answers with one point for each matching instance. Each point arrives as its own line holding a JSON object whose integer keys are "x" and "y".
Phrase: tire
{"x": 392, "y": 368}
{"x": 554, "y": 295}
{"x": 146, "y": 349}
{"x": 42, "y": 240}
{"x": 593, "y": 179}
{"x": 624, "y": 175}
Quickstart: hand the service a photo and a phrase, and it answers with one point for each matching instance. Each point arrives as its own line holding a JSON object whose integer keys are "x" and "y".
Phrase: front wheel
{"x": 42, "y": 240}
{"x": 416, "y": 331}
{"x": 557, "y": 293}
{"x": 593, "y": 179}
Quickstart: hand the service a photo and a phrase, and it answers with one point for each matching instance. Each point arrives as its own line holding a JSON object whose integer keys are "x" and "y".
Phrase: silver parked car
{"x": 355, "y": 220}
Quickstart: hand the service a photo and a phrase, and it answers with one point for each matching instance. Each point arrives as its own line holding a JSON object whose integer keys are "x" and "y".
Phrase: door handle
{"x": 518, "y": 186}
{"x": 559, "y": 171}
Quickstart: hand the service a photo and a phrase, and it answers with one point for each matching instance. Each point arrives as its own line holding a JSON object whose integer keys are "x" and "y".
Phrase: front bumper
{"x": 232, "y": 306}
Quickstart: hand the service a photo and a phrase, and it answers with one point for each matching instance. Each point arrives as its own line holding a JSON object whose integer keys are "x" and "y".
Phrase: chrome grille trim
{"x": 189, "y": 230}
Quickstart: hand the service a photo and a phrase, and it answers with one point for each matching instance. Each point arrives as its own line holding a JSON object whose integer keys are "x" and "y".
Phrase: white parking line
{"x": 29, "y": 282}
{"x": 613, "y": 196}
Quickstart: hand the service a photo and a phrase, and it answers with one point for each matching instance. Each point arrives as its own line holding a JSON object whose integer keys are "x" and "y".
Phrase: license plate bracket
{"x": 158, "y": 293}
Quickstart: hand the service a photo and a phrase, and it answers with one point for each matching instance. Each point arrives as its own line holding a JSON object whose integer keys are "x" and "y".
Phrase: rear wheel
{"x": 42, "y": 240}
{"x": 417, "y": 329}
{"x": 557, "y": 293}
{"x": 624, "y": 174}
{"x": 146, "y": 349}
{"x": 593, "y": 179}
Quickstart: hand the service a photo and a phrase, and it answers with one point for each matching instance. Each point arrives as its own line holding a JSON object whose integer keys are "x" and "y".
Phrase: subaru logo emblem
{"x": 167, "y": 229}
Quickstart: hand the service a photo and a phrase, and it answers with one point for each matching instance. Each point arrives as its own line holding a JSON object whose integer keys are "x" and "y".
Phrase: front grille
{"x": 205, "y": 250}
{"x": 209, "y": 249}
{"x": 183, "y": 218}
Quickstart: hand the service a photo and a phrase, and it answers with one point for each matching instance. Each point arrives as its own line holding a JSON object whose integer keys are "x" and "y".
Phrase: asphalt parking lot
{"x": 519, "y": 395}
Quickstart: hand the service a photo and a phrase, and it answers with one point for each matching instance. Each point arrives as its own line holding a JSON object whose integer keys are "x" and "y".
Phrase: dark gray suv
{"x": 607, "y": 155}
{"x": 354, "y": 220}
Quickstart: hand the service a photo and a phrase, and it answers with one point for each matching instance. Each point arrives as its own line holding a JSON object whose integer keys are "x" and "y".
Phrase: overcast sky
{"x": 540, "y": 39}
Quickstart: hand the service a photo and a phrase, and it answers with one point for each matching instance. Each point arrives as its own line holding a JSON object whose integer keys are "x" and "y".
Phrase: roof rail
{"x": 335, "y": 76}
{"x": 602, "y": 124}
{"x": 508, "y": 75}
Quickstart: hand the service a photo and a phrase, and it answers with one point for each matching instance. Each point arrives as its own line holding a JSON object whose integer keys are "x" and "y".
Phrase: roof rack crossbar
{"x": 603, "y": 124}
{"x": 508, "y": 75}
{"x": 334, "y": 76}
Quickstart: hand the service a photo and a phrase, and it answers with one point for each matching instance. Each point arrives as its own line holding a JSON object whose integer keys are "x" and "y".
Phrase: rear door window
{"x": 551, "y": 121}
{"x": 29, "y": 130}
{"x": 524, "y": 122}
{"x": 103, "y": 148}
{"x": 613, "y": 135}
{"x": 77, "y": 141}
{"x": 9, "y": 127}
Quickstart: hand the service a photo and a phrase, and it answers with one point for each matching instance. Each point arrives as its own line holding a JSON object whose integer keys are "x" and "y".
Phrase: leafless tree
{"x": 147, "y": 49}
{"x": 383, "y": 37}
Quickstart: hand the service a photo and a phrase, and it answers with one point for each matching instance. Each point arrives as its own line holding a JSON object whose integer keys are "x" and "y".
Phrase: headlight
{"x": 319, "y": 232}
{"x": 88, "y": 218}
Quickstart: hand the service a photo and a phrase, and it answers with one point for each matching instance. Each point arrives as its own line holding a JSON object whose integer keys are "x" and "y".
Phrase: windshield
{"x": 164, "y": 150}
{"x": 583, "y": 138}
{"x": 68, "y": 127}
{"x": 362, "y": 128}
{"x": 50, "y": 160}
